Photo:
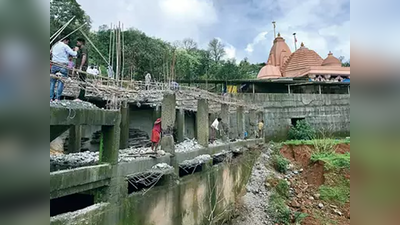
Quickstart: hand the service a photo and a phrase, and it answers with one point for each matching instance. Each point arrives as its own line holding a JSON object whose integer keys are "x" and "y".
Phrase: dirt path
{"x": 252, "y": 206}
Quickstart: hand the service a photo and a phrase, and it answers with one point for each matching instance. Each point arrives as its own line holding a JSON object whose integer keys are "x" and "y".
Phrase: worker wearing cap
{"x": 156, "y": 135}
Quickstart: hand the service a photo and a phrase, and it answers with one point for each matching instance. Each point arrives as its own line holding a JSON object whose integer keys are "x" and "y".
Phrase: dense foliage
{"x": 302, "y": 131}
{"x": 142, "y": 54}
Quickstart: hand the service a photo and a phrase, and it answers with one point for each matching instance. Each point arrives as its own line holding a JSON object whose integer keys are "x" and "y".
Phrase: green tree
{"x": 61, "y": 11}
{"x": 216, "y": 49}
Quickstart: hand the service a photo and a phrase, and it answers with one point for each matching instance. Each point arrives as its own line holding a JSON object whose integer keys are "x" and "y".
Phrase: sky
{"x": 244, "y": 26}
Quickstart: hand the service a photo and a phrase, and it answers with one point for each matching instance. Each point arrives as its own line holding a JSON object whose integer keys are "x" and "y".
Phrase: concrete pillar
{"x": 74, "y": 139}
{"x": 109, "y": 143}
{"x": 202, "y": 127}
{"x": 225, "y": 116}
{"x": 124, "y": 126}
{"x": 252, "y": 123}
{"x": 240, "y": 122}
{"x": 157, "y": 112}
{"x": 168, "y": 114}
{"x": 180, "y": 125}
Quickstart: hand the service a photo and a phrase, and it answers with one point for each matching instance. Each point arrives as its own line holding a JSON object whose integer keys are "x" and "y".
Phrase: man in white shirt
{"x": 60, "y": 55}
{"x": 215, "y": 129}
{"x": 147, "y": 80}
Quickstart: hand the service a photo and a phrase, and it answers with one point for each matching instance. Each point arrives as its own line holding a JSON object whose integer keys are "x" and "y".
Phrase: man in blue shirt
{"x": 60, "y": 54}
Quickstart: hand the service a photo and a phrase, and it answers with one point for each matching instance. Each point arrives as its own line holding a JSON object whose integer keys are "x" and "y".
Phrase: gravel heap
{"x": 196, "y": 161}
{"x": 162, "y": 166}
{"x": 187, "y": 146}
{"x": 80, "y": 159}
{"x": 255, "y": 201}
{"x": 73, "y": 104}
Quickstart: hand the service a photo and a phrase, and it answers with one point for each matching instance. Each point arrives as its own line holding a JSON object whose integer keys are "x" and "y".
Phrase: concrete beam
{"x": 74, "y": 139}
{"x": 124, "y": 126}
{"x": 225, "y": 116}
{"x": 168, "y": 116}
{"x": 61, "y": 181}
{"x": 64, "y": 116}
{"x": 202, "y": 123}
{"x": 180, "y": 125}
{"x": 240, "y": 121}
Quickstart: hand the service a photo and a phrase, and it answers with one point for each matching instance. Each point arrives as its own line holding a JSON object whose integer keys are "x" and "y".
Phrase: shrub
{"x": 278, "y": 209}
{"x": 333, "y": 160}
{"x": 338, "y": 194}
{"x": 282, "y": 188}
{"x": 302, "y": 131}
{"x": 299, "y": 216}
{"x": 280, "y": 163}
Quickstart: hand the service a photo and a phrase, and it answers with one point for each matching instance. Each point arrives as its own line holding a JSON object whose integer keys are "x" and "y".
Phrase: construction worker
{"x": 156, "y": 135}
{"x": 215, "y": 129}
{"x": 261, "y": 129}
{"x": 60, "y": 54}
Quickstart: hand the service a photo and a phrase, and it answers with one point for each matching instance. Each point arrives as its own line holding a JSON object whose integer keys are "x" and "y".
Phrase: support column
{"x": 168, "y": 114}
{"x": 240, "y": 121}
{"x": 253, "y": 123}
{"x": 74, "y": 139}
{"x": 225, "y": 116}
{"x": 157, "y": 113}
{"x": 124, "y": 126}
{"x": 202, "y": 122}
{"x": 180, "y": 124}
{"x": 109, "y": 143}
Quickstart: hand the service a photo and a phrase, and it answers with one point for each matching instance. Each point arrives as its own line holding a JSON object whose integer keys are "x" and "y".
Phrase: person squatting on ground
{"x": 60, "y": 54}
{"x": 215, "y": 129}
{"x": 156, "y": 135}
{"x": 82, "y": 62}
{"x": 260, "y": 129}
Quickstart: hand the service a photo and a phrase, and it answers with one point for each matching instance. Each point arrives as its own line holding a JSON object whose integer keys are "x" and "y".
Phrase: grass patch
{"x": 299, "y": 217}
{"x": 317, "y": 142}
{"x": 278, "y": 209}
{"x": 333, "y": 160}
{"x": 338, "y": 192}
{"x": 280, "y": 163}
{"x": 282, "y": 188}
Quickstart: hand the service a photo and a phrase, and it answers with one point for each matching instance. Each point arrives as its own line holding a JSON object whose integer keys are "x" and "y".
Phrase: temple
{"x": 303, "y": 62}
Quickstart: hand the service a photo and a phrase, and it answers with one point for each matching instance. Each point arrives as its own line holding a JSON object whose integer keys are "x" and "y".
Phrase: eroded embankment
{"x": 299, "y": 183}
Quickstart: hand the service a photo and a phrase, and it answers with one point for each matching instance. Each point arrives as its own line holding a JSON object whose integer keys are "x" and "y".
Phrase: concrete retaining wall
{"x": 188, "y": 200}
{"x": 325, "y": 112}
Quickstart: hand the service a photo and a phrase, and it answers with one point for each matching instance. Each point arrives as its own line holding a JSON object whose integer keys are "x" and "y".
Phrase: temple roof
{"x": 269, "y": 71}
{"x": 301, "y": 60}
{"x": 279, "y": 53}
{"x": 331, "y": 61}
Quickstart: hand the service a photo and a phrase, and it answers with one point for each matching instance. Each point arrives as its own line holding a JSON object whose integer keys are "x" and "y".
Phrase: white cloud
{"x": 230, "y": 51}
{"x": 259, "y": 38}
{"x": 167, "y": 19}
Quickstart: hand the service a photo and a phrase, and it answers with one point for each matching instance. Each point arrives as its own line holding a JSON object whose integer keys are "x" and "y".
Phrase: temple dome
{"x": 331, "y": 61}
{"x": 301, "y": 60}
{"x": 269, "y": 71}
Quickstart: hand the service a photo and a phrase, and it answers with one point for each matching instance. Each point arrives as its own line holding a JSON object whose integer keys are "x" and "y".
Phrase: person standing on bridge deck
{"x": 82, "y": 63}
{"x": 59, "y": 57}
{"x": 156, "y": 135}
{"x": 215, "y": 129}
{"x": 147, "y": 80}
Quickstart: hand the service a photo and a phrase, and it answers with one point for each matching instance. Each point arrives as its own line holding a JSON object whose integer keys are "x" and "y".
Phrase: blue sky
{"x": 243, "y": 25}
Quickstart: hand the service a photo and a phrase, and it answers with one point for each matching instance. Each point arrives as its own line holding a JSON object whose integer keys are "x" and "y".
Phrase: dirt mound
{"x": 305, "y": 185}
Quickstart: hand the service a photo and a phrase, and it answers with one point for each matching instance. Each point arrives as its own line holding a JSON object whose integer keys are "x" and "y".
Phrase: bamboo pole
{"x": 109, "y": 46}
{"x": 58, "y": 32}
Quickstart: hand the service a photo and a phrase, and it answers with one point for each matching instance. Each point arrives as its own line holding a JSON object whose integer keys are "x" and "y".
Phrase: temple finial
{"x": 279, "y": 34}
{"x": 302, "y": 44}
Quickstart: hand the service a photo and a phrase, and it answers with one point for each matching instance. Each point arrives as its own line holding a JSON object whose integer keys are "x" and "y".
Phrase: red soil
{"x": 306, "y": 185}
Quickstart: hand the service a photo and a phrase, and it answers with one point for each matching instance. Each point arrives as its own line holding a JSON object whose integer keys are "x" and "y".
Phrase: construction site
{"x": 104, "y": 171}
